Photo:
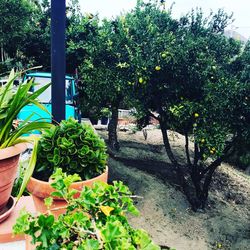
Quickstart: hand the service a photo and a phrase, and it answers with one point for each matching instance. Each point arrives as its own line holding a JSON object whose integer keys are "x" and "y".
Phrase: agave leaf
{"x": 39, "y": 105}
{"x": 25, "y": 130}
{"x": 38, "y": 92}
{"x": 21, "y": 99}
{"x": 30, "y": 167}
{"x": 5, "y": 90}
{"x": 14, "y": 107}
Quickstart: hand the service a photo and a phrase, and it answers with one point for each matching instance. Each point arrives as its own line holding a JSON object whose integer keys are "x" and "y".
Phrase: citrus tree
{"x": 181, "y": 71}
{"x": 106, "y": 71}
{"x": 241, "y": 150}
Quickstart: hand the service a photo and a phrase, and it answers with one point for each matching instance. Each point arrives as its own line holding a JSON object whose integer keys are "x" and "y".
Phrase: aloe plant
{"x": 11, "y": 102}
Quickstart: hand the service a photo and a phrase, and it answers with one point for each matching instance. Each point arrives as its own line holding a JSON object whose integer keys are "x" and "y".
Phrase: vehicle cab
{"x": 41, "y": 79}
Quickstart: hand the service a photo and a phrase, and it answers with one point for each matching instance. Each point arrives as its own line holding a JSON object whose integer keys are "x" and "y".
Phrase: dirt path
{"x": 166, "y": 214}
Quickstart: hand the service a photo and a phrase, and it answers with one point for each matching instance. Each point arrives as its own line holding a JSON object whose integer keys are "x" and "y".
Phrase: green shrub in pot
{"x": 73, "y": 147}
{"x": 105, "y": 112}
{"x": 97, "y": 219}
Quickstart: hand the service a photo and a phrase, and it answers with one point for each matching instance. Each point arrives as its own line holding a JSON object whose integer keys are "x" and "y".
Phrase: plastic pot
{"x": 104, "y": 120}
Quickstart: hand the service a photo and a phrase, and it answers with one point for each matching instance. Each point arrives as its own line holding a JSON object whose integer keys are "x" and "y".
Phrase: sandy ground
{"x": 165, "y": 213}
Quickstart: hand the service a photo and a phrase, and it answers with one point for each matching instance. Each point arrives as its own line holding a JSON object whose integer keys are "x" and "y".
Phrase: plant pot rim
{"x": 77, "y": 182}
{"x": 9, "y": 152}
{"x": 43, "y": 189}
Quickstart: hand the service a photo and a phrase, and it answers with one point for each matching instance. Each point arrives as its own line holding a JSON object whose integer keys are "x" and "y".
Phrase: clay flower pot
{"x": 42, "y": 189}
{"x": 9, "y": 158}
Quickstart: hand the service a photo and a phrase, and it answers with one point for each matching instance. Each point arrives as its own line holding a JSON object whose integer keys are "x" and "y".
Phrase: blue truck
{"x": 41, "y": 79}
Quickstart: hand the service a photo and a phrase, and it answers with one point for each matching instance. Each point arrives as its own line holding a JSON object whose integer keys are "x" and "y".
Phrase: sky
{"x": 240, "y": 8}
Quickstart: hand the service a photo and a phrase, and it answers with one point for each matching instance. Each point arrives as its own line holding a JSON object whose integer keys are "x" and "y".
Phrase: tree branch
{"x": 218, "y": 161}
{"x": 187, "y": 149}
{"x": 212, "y": 166}
{"x": 154, "y": 116}
{"x": 196, "y": 154}
{"x": 167, "y": 144}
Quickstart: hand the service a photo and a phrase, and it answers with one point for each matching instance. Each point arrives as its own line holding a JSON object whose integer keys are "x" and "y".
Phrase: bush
{"x": 95, "y": 220}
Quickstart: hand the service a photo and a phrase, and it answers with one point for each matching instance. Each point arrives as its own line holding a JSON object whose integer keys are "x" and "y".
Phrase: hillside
{"x": 165, "y": 213}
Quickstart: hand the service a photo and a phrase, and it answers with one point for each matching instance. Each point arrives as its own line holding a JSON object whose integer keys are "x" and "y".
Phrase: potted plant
{"x": 12, "y": 139}
{"x": 94, "y": 114}
{"x": 105, "y": 115}
{"x": 73, "y": 147}
{"x": 97, "y": 219}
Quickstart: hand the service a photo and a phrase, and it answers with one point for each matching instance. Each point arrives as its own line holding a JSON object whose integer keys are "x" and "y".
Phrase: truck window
{"x": 45, "y": 97}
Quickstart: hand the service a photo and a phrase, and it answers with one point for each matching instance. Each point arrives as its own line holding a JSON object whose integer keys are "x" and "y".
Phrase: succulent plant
{"x": 73, "y": 147}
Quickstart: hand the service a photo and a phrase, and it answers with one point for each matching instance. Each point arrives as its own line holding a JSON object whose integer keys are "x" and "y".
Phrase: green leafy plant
{"x": 95, "y": 220}
{"x": 11, "y": 102}
{"x": 105, "y": 112}
{"x": 74, "y": 147}
{"x": 23, "y": 164}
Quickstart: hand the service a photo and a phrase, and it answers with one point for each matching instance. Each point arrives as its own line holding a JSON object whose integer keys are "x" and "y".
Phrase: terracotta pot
{"x": 42, "y": 189}
{"x": 9, "y": 158}
{"x": 28, "y": 245}
{"x": 6, "y": 211}
{"x": 123, "y": 121}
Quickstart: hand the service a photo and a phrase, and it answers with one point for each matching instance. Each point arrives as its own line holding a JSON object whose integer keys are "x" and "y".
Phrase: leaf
{"x": 111, "y": 231}
{"x": 29, "y": 170}
{"x": 57, "y": 194}
{"x": 48, "y": 202}
{"x": 144, "y": 242}
{"x": 91, "y": 244}
{"x": 106, "y": 210}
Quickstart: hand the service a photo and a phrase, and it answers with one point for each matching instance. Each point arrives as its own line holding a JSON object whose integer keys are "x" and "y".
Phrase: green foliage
{"x": 105, "y": 112}
{"x": 11, "y": 102}
{"x": 106, "y": 71}
{"x": 18, "y": 182}
{"x": 74, "y": 147}
{"x": 15, "y": 16}
{"x": 35, "y": 48}
{"x": 26, "y": 41}
{"x": 241, "y": 68}
{"x": 95, "y": 220}
{"x": 81, "y": 33}
{"x": 183, "y": 71}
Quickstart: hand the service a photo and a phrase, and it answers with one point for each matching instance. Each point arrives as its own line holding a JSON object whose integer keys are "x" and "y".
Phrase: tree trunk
{"x": 184, "y": 183}
{"x": 112, "y": 129}
{"x": 194, "y": 180}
